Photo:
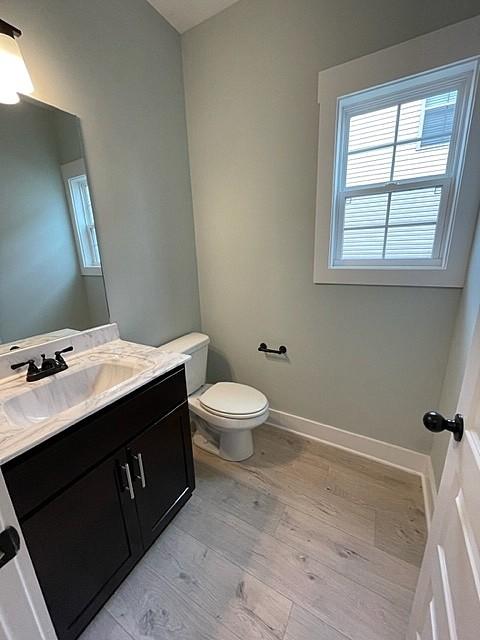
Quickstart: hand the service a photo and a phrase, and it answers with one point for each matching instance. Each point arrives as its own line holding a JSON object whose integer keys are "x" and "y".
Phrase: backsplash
{"x": 81, "y": 341}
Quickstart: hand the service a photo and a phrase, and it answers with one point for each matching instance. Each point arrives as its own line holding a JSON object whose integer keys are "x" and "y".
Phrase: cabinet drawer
{"x": 38, "y": 474}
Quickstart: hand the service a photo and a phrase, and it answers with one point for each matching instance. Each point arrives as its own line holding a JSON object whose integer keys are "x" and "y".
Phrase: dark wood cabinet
{"x": 82, "y": 542}
{"x": 161, "y": 460}
{"x": 87, "y": 524}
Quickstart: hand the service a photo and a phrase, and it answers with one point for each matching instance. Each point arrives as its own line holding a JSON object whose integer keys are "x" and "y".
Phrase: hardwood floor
{"x": 302, "y": 541}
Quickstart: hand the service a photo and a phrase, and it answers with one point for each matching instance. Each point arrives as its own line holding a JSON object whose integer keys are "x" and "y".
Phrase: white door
{"x": 447, "y": 601}
{"x": 23, "y": 613}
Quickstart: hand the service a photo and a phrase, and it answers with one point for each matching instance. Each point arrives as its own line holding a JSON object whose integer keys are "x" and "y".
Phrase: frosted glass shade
{"x": 14, "y": 77}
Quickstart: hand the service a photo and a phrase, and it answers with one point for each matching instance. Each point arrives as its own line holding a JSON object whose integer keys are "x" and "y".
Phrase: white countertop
{"x": 152, "y": 362}
{"x": 33, "y": 341}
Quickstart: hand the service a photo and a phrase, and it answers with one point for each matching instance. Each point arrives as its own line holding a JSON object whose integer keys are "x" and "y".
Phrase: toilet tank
{"x": 196, "y": 346}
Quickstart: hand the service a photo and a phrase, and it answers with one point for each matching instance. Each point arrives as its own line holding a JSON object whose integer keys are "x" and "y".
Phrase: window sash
{"x": 460, "y": 83}
{"x": 384, "y": 97}
{"x": 349, "y": 113}
{"x": 386, "y": 145}
{"x": 441, "y": 230}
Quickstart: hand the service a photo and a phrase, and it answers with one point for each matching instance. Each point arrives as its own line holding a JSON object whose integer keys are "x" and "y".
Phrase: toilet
{"x": 223, "y": 415}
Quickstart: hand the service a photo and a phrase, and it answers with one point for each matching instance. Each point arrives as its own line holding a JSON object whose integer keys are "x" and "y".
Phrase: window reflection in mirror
{"x": 51, "y": 280}
{"x": 81, "y": 210}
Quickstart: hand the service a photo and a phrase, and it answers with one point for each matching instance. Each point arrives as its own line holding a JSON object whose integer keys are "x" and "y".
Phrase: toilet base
{"x": 235, "y": 446}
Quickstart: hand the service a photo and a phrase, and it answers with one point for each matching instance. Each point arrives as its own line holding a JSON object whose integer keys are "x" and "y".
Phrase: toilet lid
{"x": 230, "y": 398}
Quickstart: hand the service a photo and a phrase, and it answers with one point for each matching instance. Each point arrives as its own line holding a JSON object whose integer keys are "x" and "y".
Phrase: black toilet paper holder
{"x": 282, "y": 349}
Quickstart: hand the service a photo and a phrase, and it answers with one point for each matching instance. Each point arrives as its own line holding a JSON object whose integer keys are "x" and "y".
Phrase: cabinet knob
{"x": 436, "y": 423}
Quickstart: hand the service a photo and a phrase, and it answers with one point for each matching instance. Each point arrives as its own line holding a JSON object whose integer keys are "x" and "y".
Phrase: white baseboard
{"x": 390, "y": 454}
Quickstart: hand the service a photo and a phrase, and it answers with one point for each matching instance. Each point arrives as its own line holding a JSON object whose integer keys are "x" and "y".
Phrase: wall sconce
{"x": 14, "y": 77}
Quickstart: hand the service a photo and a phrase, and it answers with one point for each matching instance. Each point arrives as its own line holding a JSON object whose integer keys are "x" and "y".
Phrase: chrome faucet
{"x": 48, "y": 367}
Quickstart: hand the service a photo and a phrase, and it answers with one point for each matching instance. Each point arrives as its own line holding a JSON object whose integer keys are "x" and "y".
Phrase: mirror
{"x": 51, "y": 281}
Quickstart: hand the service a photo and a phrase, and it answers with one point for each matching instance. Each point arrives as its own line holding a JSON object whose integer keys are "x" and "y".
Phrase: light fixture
{"x": 14, "y": 77}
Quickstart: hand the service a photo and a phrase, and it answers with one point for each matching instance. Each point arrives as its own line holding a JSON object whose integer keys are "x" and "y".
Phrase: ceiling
{"x": 185, "y": 14}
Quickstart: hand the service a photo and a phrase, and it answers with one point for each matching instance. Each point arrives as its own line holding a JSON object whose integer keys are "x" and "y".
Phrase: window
{"x": 399, "y": 156}
{"x": 80, "y": 204}
{"x": 438, "y": 114}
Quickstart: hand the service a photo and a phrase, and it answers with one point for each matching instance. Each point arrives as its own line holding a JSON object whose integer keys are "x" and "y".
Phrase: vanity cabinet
{"x": 160, "y": 475}
{"x": 83, "y": 542}
{"x": 91, "y": 500}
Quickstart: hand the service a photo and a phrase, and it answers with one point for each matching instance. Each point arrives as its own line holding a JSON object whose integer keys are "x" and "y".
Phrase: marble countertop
{"x": 41, "y": 338}
{"x": 148, "y": 362}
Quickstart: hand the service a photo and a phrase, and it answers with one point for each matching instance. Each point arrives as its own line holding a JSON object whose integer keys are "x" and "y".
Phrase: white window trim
{"x": 72, "y": 170}
{"x": 441, "y": 48}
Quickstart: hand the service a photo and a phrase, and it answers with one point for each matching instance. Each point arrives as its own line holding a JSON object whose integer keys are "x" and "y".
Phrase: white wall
{"x": 368, "y": 359}
{"x": 117, "y": 65}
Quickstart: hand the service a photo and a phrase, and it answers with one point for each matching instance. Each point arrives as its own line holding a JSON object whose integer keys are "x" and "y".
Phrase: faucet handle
{"x": 32, "y": 367}
{"x": 58, "y": 354}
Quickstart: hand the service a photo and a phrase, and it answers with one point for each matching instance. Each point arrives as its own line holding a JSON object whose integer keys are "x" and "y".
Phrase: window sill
{"x": 395, "y": 277}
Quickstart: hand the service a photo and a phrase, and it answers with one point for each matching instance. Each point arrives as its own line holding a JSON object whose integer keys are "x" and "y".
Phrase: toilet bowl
{"x": 222, "y": 415}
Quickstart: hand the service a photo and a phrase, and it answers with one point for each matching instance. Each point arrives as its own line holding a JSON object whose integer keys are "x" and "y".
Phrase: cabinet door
{"x": 162, "y": 463}
{"x": 83, "y": 542}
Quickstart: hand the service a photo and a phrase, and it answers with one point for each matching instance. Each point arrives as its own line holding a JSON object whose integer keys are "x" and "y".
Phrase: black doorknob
{"x": 436, "y": 422}
{"x": 9, "y": 545}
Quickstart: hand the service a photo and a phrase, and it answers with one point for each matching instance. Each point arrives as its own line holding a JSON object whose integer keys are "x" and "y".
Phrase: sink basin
{"x": 66, "y": 390}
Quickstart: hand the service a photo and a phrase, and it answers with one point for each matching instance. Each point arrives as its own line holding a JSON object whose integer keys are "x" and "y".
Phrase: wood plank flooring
{"x": 302, "y": 541}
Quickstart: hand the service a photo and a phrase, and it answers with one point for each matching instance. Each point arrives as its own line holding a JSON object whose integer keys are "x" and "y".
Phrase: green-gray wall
{"x": 367, "y": 359}
{"x": 117, "y": 65}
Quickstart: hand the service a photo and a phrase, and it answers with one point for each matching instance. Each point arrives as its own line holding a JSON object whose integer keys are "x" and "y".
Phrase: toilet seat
{"x": 225, "y": 423}
{"x": 234, "y": 416}
{"x": 233, "y": 400}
